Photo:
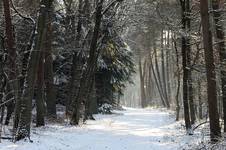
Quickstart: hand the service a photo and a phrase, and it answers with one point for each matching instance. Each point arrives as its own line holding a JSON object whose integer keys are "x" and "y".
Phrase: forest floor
{"x": 132, "y": 129}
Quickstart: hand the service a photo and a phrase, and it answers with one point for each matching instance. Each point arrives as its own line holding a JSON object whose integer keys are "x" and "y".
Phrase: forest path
{"x": 133, "y": 129}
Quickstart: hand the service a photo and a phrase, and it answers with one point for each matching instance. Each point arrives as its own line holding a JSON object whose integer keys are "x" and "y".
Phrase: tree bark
{"x": 86, "y": 82}
{"x": 11, "y": 59}
{"x": 149, "y": 90}
{"x": 200, "y": 99}
{"x": 77, "y": 64}
{"x": 215, "y": 131}
{"x": 164, "y": 85}
{"x": 48, "y": 72}
{"x": 168, "y": 67}
{"x": 91, "y": 104}
{"x": 185, "y": 69}
{"x": 40, "y": 107}
{"x": 158, "y": 78}
{"x": 26, "y": 102}
{"x": 142, "y": 90}
{"x": 216, "y": 4}
{"x": 178, "y": 83}
{"x": 22, "y": 79}
{"x": 3, "y": 81}
{"x": 188, "y": 45}
{"x": 157, "y": 84}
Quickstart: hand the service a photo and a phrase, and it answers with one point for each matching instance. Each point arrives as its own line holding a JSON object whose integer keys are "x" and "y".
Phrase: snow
{"x": 133, "y": 129}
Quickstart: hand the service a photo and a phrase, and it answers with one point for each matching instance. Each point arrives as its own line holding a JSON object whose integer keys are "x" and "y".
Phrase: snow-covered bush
{"x": 105, "y": 109}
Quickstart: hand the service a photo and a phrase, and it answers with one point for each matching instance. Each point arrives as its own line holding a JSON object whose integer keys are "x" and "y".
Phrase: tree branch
{"x": 110, "y": 5}
{"x": 22, "y": 16}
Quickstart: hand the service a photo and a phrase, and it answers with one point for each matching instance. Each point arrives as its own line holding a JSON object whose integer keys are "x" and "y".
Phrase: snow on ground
{"x": 133, "y": 129}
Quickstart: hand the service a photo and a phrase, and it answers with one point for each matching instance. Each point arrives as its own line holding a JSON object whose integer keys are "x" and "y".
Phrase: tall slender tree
{"x": 11, "y": 59}
{"x": 40, "y": 105}
{"x": 23, "y": 130}
{"x": 48, "y": 68}
{"x": 178, "y": 81}
{"x": 215, "y": 131}
{"x": 142, "y": 84}
{"x": 189, "y": 65}
{"x": 77, "y": 64}
{"x": 185, "y": 67}
{"x": 163, "y": 69}
{"x": 217, "y": 5}
{"x": 86, "y": 80}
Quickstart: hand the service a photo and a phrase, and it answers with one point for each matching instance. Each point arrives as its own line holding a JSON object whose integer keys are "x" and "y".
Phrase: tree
{"x": 40, "y": 95}
{"x": 216, "y": 4}
{"x": 215, "y": 131}
{"x": 48, "y": 69}
{"x": 185, "y": 67}
{"x": 86, "y": 82}
{"x": 23, "y": 130}
{"x": 142, "y": 77}
{"x": 178, "y": 81}
{"x": 87, "y": 79}
{"x": 189, "y": 61}
{"x": 77, "y": 62}
{"x": 12, "y": 87}
{"x": 164, "y": 85}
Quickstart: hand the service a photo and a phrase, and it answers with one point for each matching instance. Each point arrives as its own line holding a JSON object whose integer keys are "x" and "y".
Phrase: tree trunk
{"x": 164, "y": 85}
{"x": 91, "y": 104}
{"x": 188, "y": 45}
{"x": 157, "y": 76}
{"x": 142, "y": 90}
{"x": 11, "y": 59}
{"x": 157, "y": 84}
{"x": 178, "y": 83}
{"x": 40, "y": 107}
{"x": 26, "y": 102}
{"x": 9, "y": 106}
{"x": 149, "y": 89}
{"x": 148, "y": 82}
{"x": 216, "y": 4}
{"x": 215, "y": 131}
{"x": 86, "y": 81}
{"x": 77, "y": 64}
{"x": 48, "y": 75}
{"x": 185, "y": 70}
{"x": 3, "y": 81}
{"x": 22, "y": 80}
{"x": 168, "y": 67}
{"x": 200, "y": 99}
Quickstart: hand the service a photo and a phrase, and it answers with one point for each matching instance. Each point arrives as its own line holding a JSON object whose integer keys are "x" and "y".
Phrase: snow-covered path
{"x": 133, "y": 129}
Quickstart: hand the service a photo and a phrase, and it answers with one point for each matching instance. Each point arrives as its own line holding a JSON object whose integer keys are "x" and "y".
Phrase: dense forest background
{"x": 83, "y": 57}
